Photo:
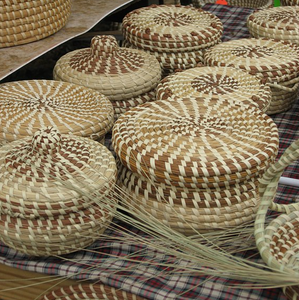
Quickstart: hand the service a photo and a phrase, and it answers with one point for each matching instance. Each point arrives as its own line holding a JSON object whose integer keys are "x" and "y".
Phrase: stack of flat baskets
{"x": 22, "y": 22}
{"x": 240, "y": 3}
{"x": 206, "y": 82}
{"x": 128, "y": 77}
{"x": 275, "y": 23}
{"x": 177, "y": 35}
{"x": 276, "y": 62}
{"x": 194, "y": 165}
{"x": 55, "y": 192}
{"x": 289, "y": 2}
{"x": 26, "y": 106}
{"x": 278, "y": 241}
{"x": 85, "y": 291}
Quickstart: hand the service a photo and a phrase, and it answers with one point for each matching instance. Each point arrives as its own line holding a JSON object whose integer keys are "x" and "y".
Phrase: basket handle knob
{"x": 103, "y": 46}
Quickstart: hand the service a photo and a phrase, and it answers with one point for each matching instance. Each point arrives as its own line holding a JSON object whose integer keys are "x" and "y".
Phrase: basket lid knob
{"x": 103, "y": 46}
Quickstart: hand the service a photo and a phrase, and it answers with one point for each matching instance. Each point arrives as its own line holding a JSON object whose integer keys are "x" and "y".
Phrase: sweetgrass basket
{"x": 240, "y": 3}
{"x": 278, "y": 241}
{"x": 86, "y": 291}
{"x": 289, "y": 2}
{"x": 22, "y": 22}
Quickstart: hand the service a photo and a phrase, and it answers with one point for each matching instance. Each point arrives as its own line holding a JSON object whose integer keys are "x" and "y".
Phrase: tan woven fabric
{"x": 205, "y": 82}
{"x": 23, "y": 22}
{"x": 275, "y": 62}
{"x": 26, "y": 106}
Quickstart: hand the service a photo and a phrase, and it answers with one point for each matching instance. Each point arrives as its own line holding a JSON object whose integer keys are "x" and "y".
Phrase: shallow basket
{"x": 95, "y": 291}
{"x": 278, "y": 242}
{"x": 240, "y": 3}
{"x": 22, "y": 22}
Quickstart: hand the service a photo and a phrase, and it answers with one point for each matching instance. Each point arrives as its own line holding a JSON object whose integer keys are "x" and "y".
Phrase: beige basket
{"x": 275, "y": 62}
{"x": 47, "y": 186}
{"x": 278, "y": 241}
{"x": 95, "y": 291}
{"x": 205, "y": 82}
{"x": 159, "y": 145}
{"x": 275, "y": 23}
{"x": 172, "y": 32}
{"x": 26, "y": 106}
{"x": 240, "y": 3}
{"x": 24, "y": 21}
{"x": 127, "y": 77}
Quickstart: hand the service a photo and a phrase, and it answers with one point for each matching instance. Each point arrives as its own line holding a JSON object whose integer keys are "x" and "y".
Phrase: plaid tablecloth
{"x": 149, "y": 283}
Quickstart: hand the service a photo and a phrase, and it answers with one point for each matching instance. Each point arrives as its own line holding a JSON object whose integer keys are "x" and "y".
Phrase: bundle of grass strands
{"x": 194, "y": 164}
{"x": 42, "y": 213}
{"x": 276, "y": 62}
{"x": 240, "y": 3}
{"x": 22, "y": 22}
{"x": 26, "y": 106}
{"x": 128, "y": 77}
{"x": 205, "y": 82}
{"x": 279, "y": 23}
{"x": 177, "y": 35}
{"x": 278, "y": 241}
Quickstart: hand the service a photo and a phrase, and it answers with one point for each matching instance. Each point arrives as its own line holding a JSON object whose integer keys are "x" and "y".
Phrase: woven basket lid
{"x": 117, "y": 72}
{"x": 53, "y": 174}
{"x": 86, "y": 291}
{"x": 273, "y": 60}
{"x": 188, "y": 142}
{"x": 22, "y": 21}
{"x": 277, "y": 22}
{"x": 208, "y": 82}
{"x": 26, "y": 106}
{"x": 171, "y": 28}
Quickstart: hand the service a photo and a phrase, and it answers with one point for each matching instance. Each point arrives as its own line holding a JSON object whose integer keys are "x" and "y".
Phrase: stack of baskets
{"x": 205, "y": 82}
{"x": 275, "y": 62}
{"x": 194, "y": 165}
{"x": 240, "y": 3}
{"x": 177, "y": 35}
{"x": 26, "y": 106}
{"x": 22, "y": 22}
{"x": 128, "y": 77}
{"x": 275, "y": 23}
{"x": 278, "y": 241}
{"x": 55, "y": 192}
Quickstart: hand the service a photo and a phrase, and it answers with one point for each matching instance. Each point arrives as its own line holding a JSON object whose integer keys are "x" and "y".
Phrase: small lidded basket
{"x": 128, "y": 77}
{"x": 192, "y": 164}
{"x": 275, "y": 62}
{"x": 205, "y": 83}
{"x": 55, "y": 192}
{"x": 281, "y": 23}
{"x": 23, "y": 21}
{"x": 177, "y": 35}
{"x": 26, "y": 106}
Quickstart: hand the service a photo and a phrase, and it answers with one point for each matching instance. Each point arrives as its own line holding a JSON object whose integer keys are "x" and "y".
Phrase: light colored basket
{"x": 289, "y": 2}
{"x": 159, "y": 144}
{"x": 278, "y": 241}
{"x": 26, "y": 106}
{"x": 275, "y": 23}
{"x": 240, "y": 3}
{"x": 86, "y": 291}
{"x": 23, "y": 21}
{"x": 127, "y": 77}
{"x": 205, "y": 82}
{"x": 275, "y": 62}
{"x": 172, "y": 32}
{"x": 42, "y": 182}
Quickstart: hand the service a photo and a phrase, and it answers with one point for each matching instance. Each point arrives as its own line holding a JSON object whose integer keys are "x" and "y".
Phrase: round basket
{"x": 172, "y": 31}
{"x": 186, "y": 161}
{"x": 278, "y": 241}
{"x": 215, "y": 82}
{"x": 95, "y": 291}
{"x": 23, "y": 21}
{"x": 275, "y": 23}
{"x": 26, "y": 106}
{"x": 127, "y": 77}
{"x": 276, "y": 62}
{"x": 240, "y": 3}
{"x": 55, "y": 191}
{"x": 289, "y": 2}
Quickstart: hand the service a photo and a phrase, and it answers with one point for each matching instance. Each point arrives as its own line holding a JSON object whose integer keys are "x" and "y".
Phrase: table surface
{"x": 13, "y": 58}
{"x": 179, "y": 286}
